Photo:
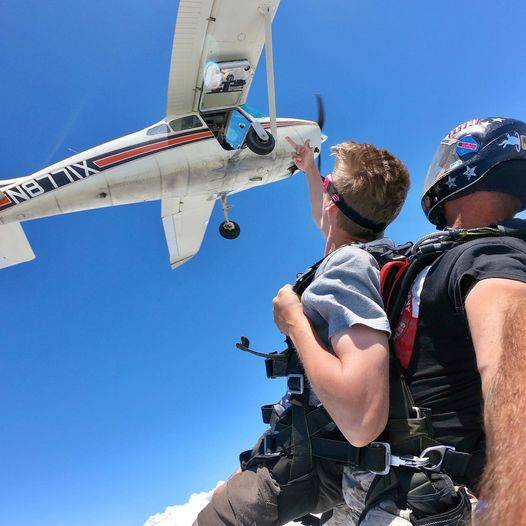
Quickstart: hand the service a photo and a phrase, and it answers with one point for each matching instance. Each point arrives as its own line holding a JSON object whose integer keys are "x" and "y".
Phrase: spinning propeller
{"x": 321, "y": 124}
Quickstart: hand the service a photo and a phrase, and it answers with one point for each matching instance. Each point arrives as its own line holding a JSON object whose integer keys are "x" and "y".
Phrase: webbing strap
{"x": 401, "y": 400}
{"x": 369, "y": 458}
{"x": 463, "y": 467}
{"x": 300, "y": 442}
{"x": 317, "y": 420}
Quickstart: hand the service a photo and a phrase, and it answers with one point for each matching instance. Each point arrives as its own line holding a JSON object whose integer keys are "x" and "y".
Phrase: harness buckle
{"x": 409, "y": 461}
{"x": 267, "y": 450}
{"x": 424, "y": 461}
{"x": 418, "y": 412}
{"x": 295, "y": 384}
{"x": 388, "y": 457}
{"x": 441, "y": 450}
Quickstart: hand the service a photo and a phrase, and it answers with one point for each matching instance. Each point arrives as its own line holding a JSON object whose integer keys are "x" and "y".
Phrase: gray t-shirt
{"x": 345, "y": 291}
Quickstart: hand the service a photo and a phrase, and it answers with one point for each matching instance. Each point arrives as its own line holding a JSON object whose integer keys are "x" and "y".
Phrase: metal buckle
{"x": 300, "y": 389}
{"x": 387, "y": 447}
{"x": 266, "y": 449}
{"x": 440, "y": 449}
{"x": 418, "y": 412}
{"x": 409, "y": 461}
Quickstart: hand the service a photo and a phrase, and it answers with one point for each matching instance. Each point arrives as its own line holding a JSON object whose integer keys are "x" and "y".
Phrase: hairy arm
{"x": 353, "y": 383}
{"x": 303, "y": 157}
{"x": 496, "y": 310}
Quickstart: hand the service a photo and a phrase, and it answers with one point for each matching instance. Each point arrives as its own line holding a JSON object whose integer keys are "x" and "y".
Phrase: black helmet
{"x": 477, "y": 155}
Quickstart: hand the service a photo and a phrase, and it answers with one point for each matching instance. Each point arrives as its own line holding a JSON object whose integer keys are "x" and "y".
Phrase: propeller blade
{"x": 321, "y": 122}
{"x": 321, "y": 112}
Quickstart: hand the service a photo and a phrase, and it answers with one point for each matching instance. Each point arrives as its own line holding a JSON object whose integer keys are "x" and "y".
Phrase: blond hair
{"x": 372, "y": 181}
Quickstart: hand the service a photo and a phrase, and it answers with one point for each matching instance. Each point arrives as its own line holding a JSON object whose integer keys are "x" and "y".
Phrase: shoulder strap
{"x": 304, "y": 279}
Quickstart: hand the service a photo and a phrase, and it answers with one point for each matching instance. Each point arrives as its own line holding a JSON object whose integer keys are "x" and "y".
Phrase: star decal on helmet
{"x": 470, "y": 172}
{"x": 451, "y": 182}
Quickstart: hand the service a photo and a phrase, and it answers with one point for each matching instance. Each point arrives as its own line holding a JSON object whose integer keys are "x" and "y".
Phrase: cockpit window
{"x": 252, "y": 111}
{"x": 186, "y": 123}
{"x": 157, "y": 130}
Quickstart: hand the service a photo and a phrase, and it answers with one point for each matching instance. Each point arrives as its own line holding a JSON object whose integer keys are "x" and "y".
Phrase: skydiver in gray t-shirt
{"x": 340, "y": 332}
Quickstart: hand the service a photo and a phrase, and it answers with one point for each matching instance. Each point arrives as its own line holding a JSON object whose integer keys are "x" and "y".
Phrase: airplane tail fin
{"x": 14, "y": 246}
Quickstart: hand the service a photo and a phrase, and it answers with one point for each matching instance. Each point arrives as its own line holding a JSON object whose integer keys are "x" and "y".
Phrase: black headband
{"x": 347, "y": 211}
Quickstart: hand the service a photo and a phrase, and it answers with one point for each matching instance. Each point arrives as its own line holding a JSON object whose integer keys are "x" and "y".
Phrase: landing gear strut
{"x": 228, "y": 229}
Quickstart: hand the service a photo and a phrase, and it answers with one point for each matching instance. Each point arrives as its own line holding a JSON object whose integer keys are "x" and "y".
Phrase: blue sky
{"x": 120, "y": 388}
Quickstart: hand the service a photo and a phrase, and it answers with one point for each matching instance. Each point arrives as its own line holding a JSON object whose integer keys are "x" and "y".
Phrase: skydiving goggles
{"x": 347, "y": 210}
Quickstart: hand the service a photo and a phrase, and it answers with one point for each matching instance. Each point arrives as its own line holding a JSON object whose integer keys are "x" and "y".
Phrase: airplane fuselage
{"x": 143, "y": 167}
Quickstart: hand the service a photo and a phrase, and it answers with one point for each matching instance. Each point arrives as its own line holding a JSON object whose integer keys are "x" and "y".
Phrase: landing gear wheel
{"x": 229, "y": 229}
{"x": 258, "y": 145}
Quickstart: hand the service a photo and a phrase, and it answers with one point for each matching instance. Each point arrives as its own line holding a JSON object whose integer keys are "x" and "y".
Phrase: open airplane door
{"x": 14, "y": 246}
{"x": 216, "y": 49}
{"x": 185, "y": 221}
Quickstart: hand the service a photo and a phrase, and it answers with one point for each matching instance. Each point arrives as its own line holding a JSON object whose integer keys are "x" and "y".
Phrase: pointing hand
{"x": 303, "y": 156}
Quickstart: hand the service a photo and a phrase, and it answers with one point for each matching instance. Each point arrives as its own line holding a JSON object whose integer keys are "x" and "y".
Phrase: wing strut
{"x": 266, "y": 9}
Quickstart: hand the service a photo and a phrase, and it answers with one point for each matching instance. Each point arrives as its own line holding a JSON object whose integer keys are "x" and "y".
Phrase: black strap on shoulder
{"x": 401, "y": 404}
{"x": 305, "y": 278}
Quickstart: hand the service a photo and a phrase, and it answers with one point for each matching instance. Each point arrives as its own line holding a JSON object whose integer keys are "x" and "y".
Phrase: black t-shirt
{"x": 442, "y": 372}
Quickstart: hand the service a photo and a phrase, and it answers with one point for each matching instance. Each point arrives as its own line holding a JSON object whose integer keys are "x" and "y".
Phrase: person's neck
{"x": 480, "y": 209}
{"x": 339, "y": 239}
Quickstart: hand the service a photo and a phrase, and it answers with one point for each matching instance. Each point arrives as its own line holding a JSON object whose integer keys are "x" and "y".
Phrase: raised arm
{"x": 496, "y": 310}
{"x": 303, "y": 157}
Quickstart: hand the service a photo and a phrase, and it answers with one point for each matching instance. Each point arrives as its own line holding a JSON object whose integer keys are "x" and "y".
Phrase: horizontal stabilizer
{"x": 14, "y": 246}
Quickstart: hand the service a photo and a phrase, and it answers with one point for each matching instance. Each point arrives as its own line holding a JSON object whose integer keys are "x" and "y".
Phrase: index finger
{"x": 291, "y": 142}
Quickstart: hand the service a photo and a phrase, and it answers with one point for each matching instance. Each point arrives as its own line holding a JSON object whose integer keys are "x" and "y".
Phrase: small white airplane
{"x": 209, "y": 145}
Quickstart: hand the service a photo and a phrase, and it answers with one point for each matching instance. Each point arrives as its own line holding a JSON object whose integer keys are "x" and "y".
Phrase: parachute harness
{"x": 304, "y": 432}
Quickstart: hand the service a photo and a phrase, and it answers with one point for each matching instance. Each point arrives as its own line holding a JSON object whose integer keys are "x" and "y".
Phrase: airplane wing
{"x": 220, "y": 31}
{"x": 185, "y": 221}
{"x": 14, "y": 246}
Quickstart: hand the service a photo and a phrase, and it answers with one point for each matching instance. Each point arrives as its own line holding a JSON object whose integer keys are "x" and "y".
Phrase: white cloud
{"x": 182, "y": 514}
{"x": 185, "y": 514}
